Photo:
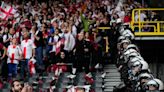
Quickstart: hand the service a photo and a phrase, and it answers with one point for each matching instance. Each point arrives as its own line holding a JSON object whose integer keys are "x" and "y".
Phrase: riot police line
{"x": 135, "y": 73}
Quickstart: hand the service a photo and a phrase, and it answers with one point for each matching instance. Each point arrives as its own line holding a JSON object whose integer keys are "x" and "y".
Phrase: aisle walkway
{"x": 112, "y": 77}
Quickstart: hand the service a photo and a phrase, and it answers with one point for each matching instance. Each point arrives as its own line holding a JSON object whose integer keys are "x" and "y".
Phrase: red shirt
{"x": 127, "y": 19}
{"x": 45, "y": 35}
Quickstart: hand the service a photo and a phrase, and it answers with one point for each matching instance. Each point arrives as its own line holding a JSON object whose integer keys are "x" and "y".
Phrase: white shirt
{"x": 109, "y": 9}
{"x": 38, "y": 24}
{"x": 56, "y": 38}
{"x": 142, "y": 17}
{"x": 17, "y": 34}
{"x": 69, "y": 42}
{"x": 60, "y": 23}
{"x": 74, "y": 30}
{"x": 35, "y": 12}
{"x": 94, "y": 15}
{"x": 121, "y": 14}
{"x": 118, "y": 7}
{"x": 14, "y": 53}
{"x": 27, "y": 46}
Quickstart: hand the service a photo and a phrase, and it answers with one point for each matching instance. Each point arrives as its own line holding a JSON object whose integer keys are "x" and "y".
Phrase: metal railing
{"x": 106, "y": 39}
{"x": 156, "y": 27}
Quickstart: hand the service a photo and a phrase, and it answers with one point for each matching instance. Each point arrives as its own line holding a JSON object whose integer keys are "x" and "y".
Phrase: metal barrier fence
{"x": 156, "y": 28}
{"x": 148, "y": 27}
{"x": 106, "y": 39}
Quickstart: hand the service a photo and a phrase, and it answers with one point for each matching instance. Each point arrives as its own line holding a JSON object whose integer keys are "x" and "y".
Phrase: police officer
{"x": 143, "y": 78}
{"x": 82, "y": 52}
{"x": 155, "y": 85}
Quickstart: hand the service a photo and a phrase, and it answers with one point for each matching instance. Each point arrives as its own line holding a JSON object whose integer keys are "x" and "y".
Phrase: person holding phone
{"x": 17, "y": 87}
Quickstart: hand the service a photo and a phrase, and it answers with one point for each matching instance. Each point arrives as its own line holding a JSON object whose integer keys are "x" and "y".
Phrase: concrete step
{"x": 111, "y": 84}
{"x": 111, "y": 65}
{"x": 109, "y": 87}
{"x": 110, "y": 70}
{"x": 98, "y": 90}
{"x": 108, "y": 90}
{"x": 112, "y": 80}
{"x": 113, "y": 75}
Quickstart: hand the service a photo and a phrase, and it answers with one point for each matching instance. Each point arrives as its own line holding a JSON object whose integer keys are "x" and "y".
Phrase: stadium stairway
{"x": 112, "y": 77}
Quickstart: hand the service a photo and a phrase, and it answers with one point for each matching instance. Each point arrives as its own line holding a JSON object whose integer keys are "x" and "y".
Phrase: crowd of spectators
{"x": 37, "y": 29}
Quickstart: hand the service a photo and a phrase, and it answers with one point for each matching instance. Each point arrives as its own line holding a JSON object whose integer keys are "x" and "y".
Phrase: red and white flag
{"x": 2, "y": 15}
{"x": 89, "y": 78}
{"x": 32, "y": 66}
{"x": 6, "y": 11}
{"x": 59, "y": 44}
{"x": 59, "y": 68}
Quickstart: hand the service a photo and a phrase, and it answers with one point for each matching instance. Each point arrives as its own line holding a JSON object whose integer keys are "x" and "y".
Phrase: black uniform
{"x": 82, "y": 55}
